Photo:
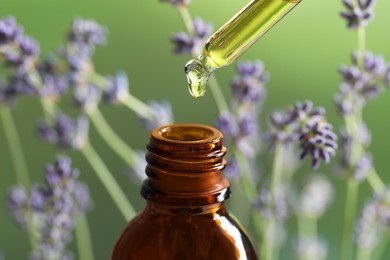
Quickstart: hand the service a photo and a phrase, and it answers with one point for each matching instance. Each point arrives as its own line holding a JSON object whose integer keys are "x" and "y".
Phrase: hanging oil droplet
{"x": 197, "y": 76}
{"x": 234, "y": 38}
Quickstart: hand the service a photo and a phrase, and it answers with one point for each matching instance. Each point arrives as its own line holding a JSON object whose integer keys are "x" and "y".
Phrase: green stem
{"x": 277, "y": 169}
{"x": 276, "y": 180}
{"x": 363, "y": 254}
{"x": 109, "y": 182}
{"x": 361, "y": 46}
{"x": 19, "y": 162}
{"x": 83, "y": 238}
{"x": 375, "y": 181}
{"x": 217, "y": 94}
{"x": 245, "y": 179}
{"x": 139, "y": 107}
{"x": 111, "y": 138}
{"x": 269, "y": 234}
{"x": 15, "y": 147}
{"x": 349, "y": 216}
{"x": 187, "y": 20}
{"x": 49, "y": 109}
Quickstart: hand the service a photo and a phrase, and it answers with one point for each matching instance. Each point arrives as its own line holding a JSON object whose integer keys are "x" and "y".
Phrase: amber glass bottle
{"x": 185, "y": 216}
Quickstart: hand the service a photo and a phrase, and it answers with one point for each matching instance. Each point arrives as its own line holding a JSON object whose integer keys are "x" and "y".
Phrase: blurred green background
{"x": 302, "y": 54}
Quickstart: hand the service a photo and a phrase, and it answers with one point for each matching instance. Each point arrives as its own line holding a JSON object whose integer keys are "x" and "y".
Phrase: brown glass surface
{"x": 183, "y": 234}
{"x": 185, "y": 217}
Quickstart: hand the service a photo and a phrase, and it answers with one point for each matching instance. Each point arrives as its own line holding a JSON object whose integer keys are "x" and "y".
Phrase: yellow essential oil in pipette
{"x": 233, "y": 38}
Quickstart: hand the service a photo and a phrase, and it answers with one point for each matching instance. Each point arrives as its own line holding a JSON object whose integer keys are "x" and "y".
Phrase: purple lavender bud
{"x": 28, "y": 46}
{"x": 87, "y": 33}
{"x": 8, "y": 93}
{"x": 227, "y": 124}
{"x": 52, "y": 87}
{"x": 9, "y": 31}
{"x": 184, "y": 43}
{"x": 40, "y": 196}
{"x": 53, "y": 83}
{"x": 83, "y": 200}
{"x": 319, "y": 143}
{"x": 247, "y": 124}
{"x": 248, "y": 87}
{"x": 178, "y": 3}
{"x": 232, "y": 170}
{"x": 137, "y": 173}
{"x": 118, "y": 89}
{"x": 367, "y": 229}
{"x": 272, "y": 207}
{"x": 387, "y": 76}
{"x": 17, "y": 202}
{"x": 363, "y": 167}
{"x": 162, "y": 112}
{"x": 192, "y": 44}
{"x": 87, "y": 97}
{"x": 60, "y": 175}
{"x": 360, "y": 15}
{"x": 366, "y": 4}
{"x": 65, "y": 132}
{"x": 315, "y": 197}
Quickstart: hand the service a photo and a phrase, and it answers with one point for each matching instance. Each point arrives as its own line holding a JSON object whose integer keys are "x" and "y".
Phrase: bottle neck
{"x": 212, "y": 209}
{"x": 185, "y": 163}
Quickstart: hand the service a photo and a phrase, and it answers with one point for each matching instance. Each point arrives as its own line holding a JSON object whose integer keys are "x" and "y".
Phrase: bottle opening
{"x": 187, "y": 133}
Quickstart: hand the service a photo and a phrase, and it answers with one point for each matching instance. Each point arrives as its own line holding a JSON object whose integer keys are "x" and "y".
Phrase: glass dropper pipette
{"x": 233, "y": 38}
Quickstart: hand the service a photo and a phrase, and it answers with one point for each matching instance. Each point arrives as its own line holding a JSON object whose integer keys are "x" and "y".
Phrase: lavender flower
{"x": 17, "y": 201}
{"x": 137, "y": 173}
{"x": 118, "y": 89}
{"x": 316, "y": 196}
{"x": 192, "y": 44}
{"x": 232, "y": 170}
{"x": 53, "y": 83}
{"x": 87, "y": 33}
{"x": 65, "y": 132}
{"x": 320, "y": 143}
{"x": 162, "y": 112}
{"x": 241, "y": 131}
{"x": 358, "y": 15}
{"x": 248, "y": 86}
{"x": 375, "y": 219}
{"x": 227, "y": 124}
{"x": 308, "y": 125}
{"x": 311, "y": 248}
{"x": 9, "y": 31}
{"x": 272, "y": 207}
{"x": 178, "y": 3}
{"x": 87, "y": 97}
{"x": 247, "y": 140}
{"x": 52, "y": 209}
{"x": 360, "y": 85}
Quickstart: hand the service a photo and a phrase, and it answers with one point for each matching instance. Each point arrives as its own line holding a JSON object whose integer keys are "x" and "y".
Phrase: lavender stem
{"x": 15, "y": 147}
{"x": 375, "y": 181}
{"x": 139, "y": 107}
{"x": 109, "y": 182}
{"x": 19, "y": 162}
{"x": 187, "y": 20}
{"x": 349, "y": 216}
{"x": 111, "y": 138}
{"x": 83, "y": 238}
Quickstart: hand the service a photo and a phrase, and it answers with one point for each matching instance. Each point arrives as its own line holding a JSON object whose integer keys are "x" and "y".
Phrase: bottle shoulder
{"x": 152, "y": 235}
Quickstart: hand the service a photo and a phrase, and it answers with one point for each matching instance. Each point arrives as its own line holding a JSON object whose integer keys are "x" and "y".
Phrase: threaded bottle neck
{"x": 185, "y": 163}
